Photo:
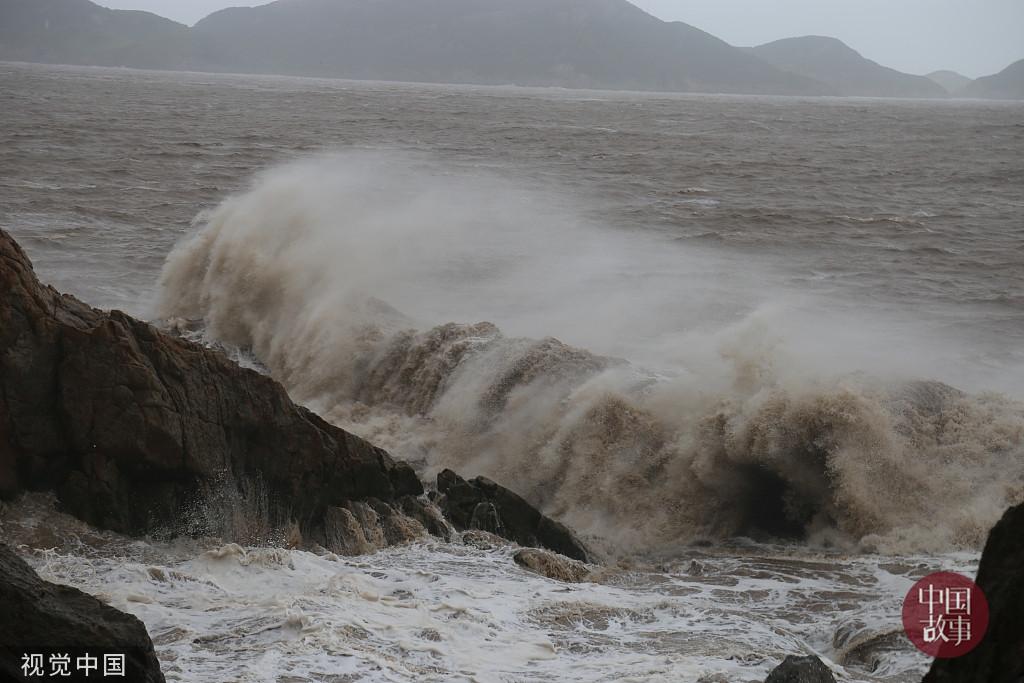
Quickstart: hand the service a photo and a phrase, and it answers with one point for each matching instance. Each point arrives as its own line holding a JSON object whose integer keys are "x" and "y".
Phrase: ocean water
{"x": 764, "y": 354}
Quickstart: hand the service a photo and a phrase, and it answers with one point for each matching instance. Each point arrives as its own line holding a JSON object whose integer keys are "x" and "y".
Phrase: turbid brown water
{"x": 764, "y": 297}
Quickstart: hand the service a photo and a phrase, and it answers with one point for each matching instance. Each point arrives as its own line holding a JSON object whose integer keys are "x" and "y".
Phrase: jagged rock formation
{"x": 134, "y": 429}
{"x": 130, "y": 426}
{"x": 39, "y": 616}
{"x": 361, "y": 527}
{"x": 999, "y": 658}
{"x": 482, "y": 504}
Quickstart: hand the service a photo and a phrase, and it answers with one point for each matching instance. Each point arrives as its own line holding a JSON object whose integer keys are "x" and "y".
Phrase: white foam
{"x": 437, "y": 611}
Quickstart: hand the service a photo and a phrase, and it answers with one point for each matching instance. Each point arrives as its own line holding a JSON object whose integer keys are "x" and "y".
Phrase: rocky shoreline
{"x": 140, "y": 432}
{"x": 134, "y": 430}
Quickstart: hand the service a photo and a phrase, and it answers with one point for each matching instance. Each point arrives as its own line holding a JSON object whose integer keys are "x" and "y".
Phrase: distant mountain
{"x": 80, "y": 32}
{"x": 950, "y": 80}
{"x": 837, "y": 65}
{"x": 1008, "y": 84}
{"x": 570, "y": 43}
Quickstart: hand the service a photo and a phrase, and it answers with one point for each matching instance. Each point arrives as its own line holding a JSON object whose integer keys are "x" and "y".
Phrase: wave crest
{"x": 297, "y": 269}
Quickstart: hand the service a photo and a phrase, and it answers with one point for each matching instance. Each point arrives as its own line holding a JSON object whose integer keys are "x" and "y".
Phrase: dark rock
{"x": 485, "y": 518}
{"x": 130, "y": 426}
{"x": 697, "y": 568}
{"x": 427, "y": 514}
{"x": 552, "y": 565}
{"x": 397, "y": 528}
{"x": 39, "y": 616}
{"x": 362, "y": 527}
{"x": 795, "y": 669}
{"x": 999, "y": 658}
{"x": 516, "y": 519}
{"x": 346, "y": 534}
{"x": 458, "y": 499}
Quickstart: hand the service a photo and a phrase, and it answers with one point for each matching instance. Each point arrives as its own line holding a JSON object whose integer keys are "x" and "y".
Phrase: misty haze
{"x": 545, "y": 340}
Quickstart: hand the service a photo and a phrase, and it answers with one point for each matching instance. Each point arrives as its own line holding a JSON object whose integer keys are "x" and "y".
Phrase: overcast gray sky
{"x": 974, "y": 37}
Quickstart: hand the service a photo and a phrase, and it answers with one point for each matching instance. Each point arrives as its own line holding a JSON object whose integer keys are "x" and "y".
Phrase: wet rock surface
{"x": 482, "y": 504}
{"x": 129, "y": 425}
{"x": 807, "y": 669}
{"x": 552, "y": 565}
{"x": 39, "y": 616}
{"x": 361, "y": 527}
{"x": 999, "y": 658}
{"x": 135, "y": 430}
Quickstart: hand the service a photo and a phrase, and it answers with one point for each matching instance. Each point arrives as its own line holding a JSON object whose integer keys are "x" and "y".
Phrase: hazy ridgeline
{"x": 563, "y": 43}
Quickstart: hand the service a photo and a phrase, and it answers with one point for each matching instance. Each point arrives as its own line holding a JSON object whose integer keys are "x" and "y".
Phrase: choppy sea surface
{"x": 790, "y": 384}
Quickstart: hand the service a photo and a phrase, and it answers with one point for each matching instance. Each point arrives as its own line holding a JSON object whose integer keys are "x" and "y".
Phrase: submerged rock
{"x": 713, "y": 678}
{"x": 482, "y": 504}
{"x": 552, "y": 565}
{"x": 808, "y": 669}
{"x": 131, "y": 426}
{"x": 39, "y": 616}
{"x": 999, "y": 658}
{"x": 484, "y": 540}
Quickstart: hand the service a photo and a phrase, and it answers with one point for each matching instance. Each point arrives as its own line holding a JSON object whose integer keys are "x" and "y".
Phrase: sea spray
{"x": 736, "y": 414}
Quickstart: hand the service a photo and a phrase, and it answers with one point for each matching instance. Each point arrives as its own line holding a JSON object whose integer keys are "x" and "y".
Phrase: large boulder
{"x": 999, "y": 658}
{"x": 46, "y": 619}
{"x": 807, "y": 669}
{"x": 481, "y": 504}
{"x": 131, "y": 426}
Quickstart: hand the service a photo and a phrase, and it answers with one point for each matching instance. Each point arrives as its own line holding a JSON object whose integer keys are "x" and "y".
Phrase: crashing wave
{"x": 634, "y": 457}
